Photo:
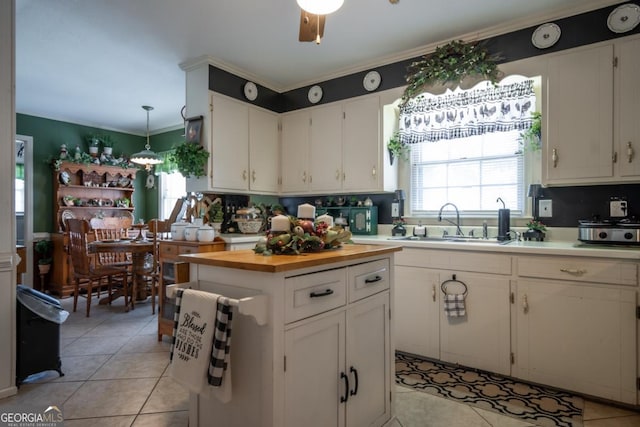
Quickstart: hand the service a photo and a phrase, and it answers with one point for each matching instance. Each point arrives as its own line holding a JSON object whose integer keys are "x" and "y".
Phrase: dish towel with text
{"x": 219, "y": 376}
{"x": 193, "y": 333}
{"x": 454, "y": 305}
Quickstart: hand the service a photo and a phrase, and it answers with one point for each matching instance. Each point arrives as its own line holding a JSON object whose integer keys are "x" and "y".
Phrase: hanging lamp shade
{"x": 146, "y": 157}
{"x": 320, "y": 7}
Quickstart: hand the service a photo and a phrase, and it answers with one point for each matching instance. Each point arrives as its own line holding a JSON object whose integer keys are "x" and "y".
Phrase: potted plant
{"x": 216, "y": 216}
{"x": 94, "y": 144}
{"x": 44, "y": 248}
{"x": 107, "y": 145}
{"x": 449, "y": 65}
{"x": 397, "y": 148}
{"x": 535, "y": 231}
{"x": 531, "y": 139}
{"x": 190, "y": 159}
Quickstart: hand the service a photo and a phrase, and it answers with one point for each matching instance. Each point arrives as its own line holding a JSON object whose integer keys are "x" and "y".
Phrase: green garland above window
{"x": 451, "y": 63}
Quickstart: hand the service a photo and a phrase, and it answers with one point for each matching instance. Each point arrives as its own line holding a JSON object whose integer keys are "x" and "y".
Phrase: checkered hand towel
{"x": 454, "y": 305}
{"x": 220, "y": 365}
{"x": 193, "y": 333}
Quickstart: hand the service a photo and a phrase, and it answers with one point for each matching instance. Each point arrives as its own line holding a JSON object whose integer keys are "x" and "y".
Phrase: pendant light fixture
{"x": 320, "y": 7}
{"x": 146, "y": 157}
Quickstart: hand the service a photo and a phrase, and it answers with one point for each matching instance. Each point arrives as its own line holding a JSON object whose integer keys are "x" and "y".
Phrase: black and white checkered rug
{"x": 532, "y": 403}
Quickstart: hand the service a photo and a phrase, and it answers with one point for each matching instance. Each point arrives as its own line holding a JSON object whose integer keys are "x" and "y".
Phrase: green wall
{"x": 48, "y": 135}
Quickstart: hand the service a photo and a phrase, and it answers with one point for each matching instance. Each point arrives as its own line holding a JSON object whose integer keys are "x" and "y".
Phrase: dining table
{"x": 138, "y": 250}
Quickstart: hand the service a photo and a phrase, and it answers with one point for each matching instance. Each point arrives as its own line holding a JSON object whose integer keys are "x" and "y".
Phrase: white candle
{"x": 306, "y": 211}
{"x": 327, "y": 219}
{"x": 280, "y": 223}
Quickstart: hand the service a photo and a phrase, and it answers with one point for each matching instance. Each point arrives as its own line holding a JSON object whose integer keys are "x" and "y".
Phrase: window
{"x": 172, "y": 187}
{"x": 466, "y": 150}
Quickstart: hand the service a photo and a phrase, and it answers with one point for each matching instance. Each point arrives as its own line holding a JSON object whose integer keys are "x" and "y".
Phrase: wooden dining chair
{"x": 160, "y": 230}
{"x": 113, "y": 259}
{"x": 87, "y": 274}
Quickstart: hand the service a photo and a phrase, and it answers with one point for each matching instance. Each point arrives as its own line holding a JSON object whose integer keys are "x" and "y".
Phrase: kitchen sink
{"x": 457, "y": 239}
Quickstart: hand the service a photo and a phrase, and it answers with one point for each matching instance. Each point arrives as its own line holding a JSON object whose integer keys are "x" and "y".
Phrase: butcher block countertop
{"x": 248, "y": 260}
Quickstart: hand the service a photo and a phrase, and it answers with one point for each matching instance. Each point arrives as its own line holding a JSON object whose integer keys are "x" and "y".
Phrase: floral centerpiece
{"x": 303, "y": 235}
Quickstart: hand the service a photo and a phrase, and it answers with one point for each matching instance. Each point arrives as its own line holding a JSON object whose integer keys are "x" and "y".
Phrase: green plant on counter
{"x": 531, "y": 139}
{"x": 536, "y": 225}
{"x": 215, "y": 213}
{"x": 451, "y": 63}
{"x": 44, "y": 248}
{"x": 190, "y": 159}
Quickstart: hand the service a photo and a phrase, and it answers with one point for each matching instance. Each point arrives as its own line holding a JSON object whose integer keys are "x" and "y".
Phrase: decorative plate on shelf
{"x": 546, "y": 35}
{"x": 315, "y": 94}
{"x": 371, "y": 81}
{"x": 64, "y": 178}
{"x": 624, "y": 18}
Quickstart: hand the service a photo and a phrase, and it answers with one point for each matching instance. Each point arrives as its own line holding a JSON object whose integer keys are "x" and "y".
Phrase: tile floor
{"x": 116, "y": 375}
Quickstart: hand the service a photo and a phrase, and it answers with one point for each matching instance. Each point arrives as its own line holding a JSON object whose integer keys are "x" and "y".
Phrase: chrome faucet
{"x": 457, "y": 223}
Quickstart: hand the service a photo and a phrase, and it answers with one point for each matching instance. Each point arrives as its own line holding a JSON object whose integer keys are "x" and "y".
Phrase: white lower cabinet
{"x": 337, "y": 368}
{"x": 564, "y": 321}
{"x": 481, "y": 339}
{"x": 417, "y": 313}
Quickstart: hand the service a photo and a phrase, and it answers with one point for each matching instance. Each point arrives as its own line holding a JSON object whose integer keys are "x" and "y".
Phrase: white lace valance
{"x": 467, "y": 113}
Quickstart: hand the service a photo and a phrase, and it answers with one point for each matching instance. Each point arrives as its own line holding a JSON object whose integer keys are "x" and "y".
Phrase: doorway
{"x": 23, "y": 200}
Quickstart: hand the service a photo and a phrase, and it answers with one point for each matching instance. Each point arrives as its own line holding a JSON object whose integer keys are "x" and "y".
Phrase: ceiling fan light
{"x": 320, "y": 7}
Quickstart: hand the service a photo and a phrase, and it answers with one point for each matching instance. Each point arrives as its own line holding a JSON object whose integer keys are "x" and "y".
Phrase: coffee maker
{"x": 397, "y": 212}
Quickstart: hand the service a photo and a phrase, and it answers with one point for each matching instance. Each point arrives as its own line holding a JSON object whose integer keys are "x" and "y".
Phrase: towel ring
{"x": 443, "y": 286}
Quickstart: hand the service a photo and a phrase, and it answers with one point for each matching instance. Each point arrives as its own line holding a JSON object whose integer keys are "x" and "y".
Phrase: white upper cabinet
{"x": 264, "y": 151}
{"x": 627, "y": 135}
{"x": 593, "y": 133}
{"x": 343, "y": 147}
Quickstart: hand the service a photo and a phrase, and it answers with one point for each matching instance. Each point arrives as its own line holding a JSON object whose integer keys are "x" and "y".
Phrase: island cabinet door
{"x": 577, "y": 336}
{"x": 315, "y": 372}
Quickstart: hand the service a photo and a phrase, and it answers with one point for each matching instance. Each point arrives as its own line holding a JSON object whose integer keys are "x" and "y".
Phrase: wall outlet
{"x": 618, "y": 208}
{"x": 545, "y": 208}
{"x": 395, "y": 209}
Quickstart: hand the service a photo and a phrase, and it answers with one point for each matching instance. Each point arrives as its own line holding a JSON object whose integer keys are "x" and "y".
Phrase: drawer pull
{"x": 573, "y": 271}
{"x": 344, "y": 398}
{"x": 373, "y": 280}
{"x": 433, "y": 292}
{"x": 525, "y": 304}
{"x": 321, "y": 294}
{"x": 355, "y": 377}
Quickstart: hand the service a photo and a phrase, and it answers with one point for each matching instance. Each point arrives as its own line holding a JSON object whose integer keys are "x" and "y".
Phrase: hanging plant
{"x": 531, "y": 139}
{"x": 451, "y": 63}
{"x": 190, "y": 159}
{"x": 397, "y": 148}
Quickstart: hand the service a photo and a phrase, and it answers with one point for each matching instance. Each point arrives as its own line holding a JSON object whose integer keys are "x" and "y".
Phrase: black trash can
{"x": 39, "y": 317}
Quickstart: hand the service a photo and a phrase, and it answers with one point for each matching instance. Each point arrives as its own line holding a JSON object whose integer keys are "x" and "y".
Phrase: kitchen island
{"x": 324, "y": 357}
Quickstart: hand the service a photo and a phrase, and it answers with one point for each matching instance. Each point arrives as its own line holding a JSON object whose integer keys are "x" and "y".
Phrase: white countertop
{"x": 567, "y": 248}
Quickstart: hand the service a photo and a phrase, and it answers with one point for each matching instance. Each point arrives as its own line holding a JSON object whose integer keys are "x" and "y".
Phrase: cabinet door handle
{"x": 573, "y": 271}
{"x": 629, "y": 152}
{"x": 354, "y": 371}
{"x": 525, "y": 304}
{"x": 554, "y": 157}
{"x": 373, "y": 171}
{"x": 373, "y": 279}
{"x": 433, "y": 292}
{"x": 253, "y": 175}
{"x": 321, "y": 294}
{"x": 304, "y": 177}
{"x": 344, "y": 398}
{"x": 337, "y": 174}
{"x": 244, "y": 175}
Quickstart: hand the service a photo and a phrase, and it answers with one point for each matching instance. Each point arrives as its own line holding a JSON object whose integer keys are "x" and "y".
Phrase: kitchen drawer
{"x": 168, "y": 251}
{"x": 611, "y": 271}
{"x": 368, "y": 279}
{"x": 455, "y": 260}
{"x": 311, "y": 294}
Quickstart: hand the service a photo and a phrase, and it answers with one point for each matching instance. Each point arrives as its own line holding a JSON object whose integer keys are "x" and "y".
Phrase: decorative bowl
{"x": 249, "y": 226}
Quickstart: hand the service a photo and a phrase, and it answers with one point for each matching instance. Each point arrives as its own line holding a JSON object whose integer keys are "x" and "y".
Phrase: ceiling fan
{"x": 312, "y": 17}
